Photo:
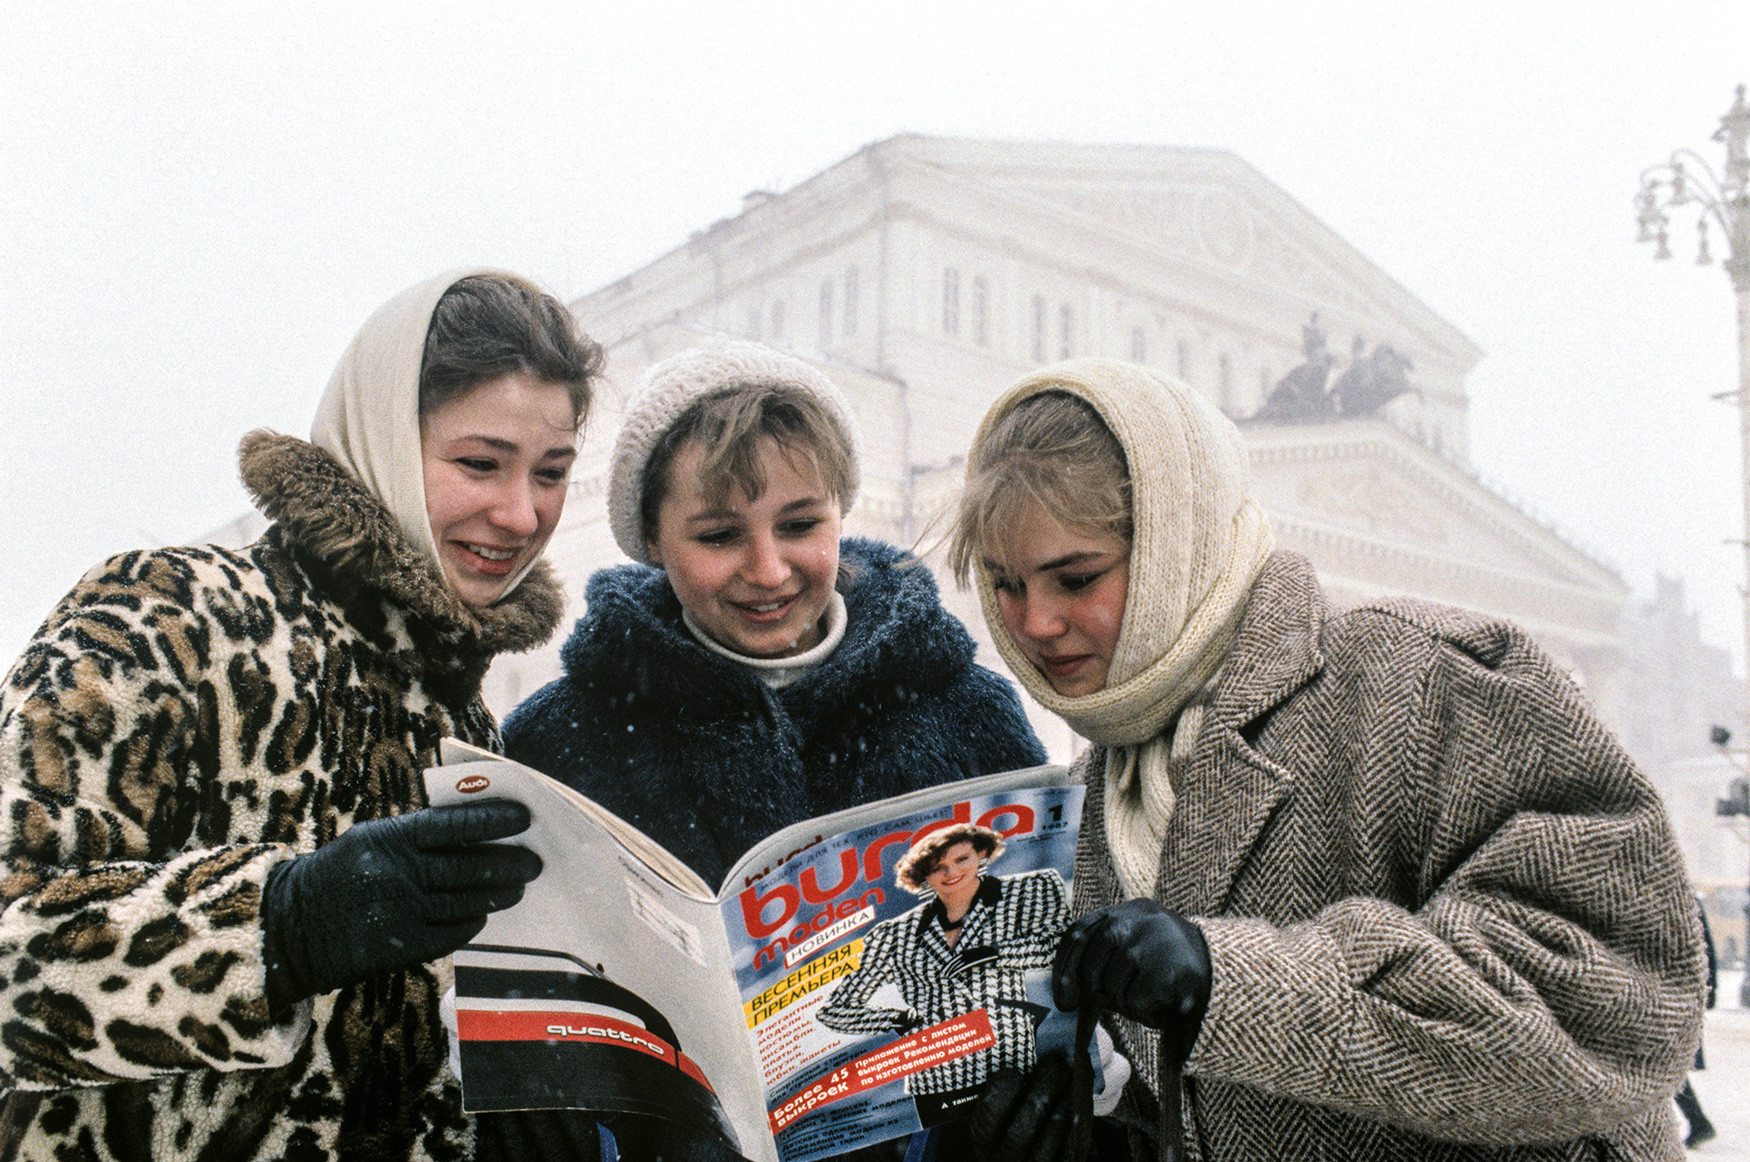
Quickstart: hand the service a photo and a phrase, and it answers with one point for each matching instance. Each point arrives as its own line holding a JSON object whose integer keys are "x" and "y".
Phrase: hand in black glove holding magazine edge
{"x": 1025, "y": 1117}
{"x": 1141, "y": 961}
{"x": 1137, "y": 959}
{"x": 387, "y": 894}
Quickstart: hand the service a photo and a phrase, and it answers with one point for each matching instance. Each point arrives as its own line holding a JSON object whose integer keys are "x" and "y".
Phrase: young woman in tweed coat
{"x": 224, "y": 895}
{"x": 1379, "y": 880}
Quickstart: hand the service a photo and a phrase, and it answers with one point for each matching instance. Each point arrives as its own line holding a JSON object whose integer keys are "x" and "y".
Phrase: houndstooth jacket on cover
{"x": 1446, "y": 914}
{"x": 1013, "y": 926}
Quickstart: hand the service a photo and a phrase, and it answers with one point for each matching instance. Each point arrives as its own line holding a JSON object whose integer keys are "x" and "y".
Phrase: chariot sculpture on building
{"x": 1372, "y": 380}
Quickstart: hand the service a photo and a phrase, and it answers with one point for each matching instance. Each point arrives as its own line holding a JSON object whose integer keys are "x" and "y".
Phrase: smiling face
{"x": 1062, "y": 598}
{"x": 954, "y": 879}
{"x": 755, "y": 572}
{"x": 496, "y": 464}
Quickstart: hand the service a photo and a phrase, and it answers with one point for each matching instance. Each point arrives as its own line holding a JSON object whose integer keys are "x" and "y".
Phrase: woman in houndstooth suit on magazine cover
{"x": 966, "y": 948}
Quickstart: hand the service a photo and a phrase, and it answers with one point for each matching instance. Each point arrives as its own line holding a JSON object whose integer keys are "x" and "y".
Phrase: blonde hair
{"x": 912, "y": 872}
{"x": 1051, "y": 449}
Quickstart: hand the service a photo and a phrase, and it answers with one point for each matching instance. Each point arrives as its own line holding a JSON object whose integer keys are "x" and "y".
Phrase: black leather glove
{"x": 1025, "y": 1117}
{"x": 1045, "y": 1115}
{"x": 1142, "y": 961}
{"x": 388, "y": 894}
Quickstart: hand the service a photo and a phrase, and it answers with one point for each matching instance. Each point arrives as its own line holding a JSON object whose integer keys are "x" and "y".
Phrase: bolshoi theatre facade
{"x": 923, "y": 275}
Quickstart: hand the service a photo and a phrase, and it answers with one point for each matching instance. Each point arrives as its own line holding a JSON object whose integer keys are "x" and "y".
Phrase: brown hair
{"x": 1051, "y": 449}
{"x": 729, "y": 424}
{"x": 489, "y": 325}
{"x": 912, "y": 872}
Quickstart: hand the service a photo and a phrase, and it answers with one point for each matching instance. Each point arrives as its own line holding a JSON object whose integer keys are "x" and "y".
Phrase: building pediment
{"x": 1381, "y": 514}
{"x": 1203, "y": 209}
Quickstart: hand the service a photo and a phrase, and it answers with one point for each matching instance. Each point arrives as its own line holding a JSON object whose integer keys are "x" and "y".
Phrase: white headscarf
{"x": 1199, "y": 543}
{"x": 369, "y": 416}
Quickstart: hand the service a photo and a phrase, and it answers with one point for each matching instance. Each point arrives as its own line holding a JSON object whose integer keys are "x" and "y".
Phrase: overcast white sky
{"x": 201, "y": 202}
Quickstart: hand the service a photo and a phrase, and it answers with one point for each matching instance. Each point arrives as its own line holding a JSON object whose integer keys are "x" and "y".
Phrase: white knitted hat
{"x": 669, "y": 387}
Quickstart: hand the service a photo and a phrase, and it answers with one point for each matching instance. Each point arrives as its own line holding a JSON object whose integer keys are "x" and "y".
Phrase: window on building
{"x": 851, "y": 301}
{"x": 1039, "y": 328}
{"x": 950, "y": 301}
{"x": 980, "y": 311}
{"x": 778, "y": 321}
{"x": 1066, "y": 330}
{"x": 825, "y": 312}
{"x": 1138, "y": 345}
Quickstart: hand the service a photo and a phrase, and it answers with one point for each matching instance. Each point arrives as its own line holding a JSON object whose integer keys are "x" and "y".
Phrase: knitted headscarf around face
{"x": 1199, "y": 543}
{"x": 368, "y": 418}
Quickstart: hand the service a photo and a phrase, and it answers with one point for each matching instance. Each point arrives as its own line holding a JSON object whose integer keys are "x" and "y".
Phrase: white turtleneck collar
{"x": 780, "y": 672}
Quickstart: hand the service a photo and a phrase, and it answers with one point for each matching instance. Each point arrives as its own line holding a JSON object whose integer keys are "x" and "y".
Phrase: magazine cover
{"x": 856, "y": 977}
{"x": 887, "y": 970}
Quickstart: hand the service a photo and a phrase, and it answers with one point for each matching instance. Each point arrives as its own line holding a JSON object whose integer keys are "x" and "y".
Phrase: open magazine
{"x": 810, "y": 1004}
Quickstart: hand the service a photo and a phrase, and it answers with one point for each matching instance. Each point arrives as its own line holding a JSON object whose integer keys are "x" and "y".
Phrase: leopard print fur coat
{"x": 186, "y": 719}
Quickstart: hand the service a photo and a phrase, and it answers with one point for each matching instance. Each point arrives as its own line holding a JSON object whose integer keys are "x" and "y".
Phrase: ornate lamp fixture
{"x": 1722, "y": 201}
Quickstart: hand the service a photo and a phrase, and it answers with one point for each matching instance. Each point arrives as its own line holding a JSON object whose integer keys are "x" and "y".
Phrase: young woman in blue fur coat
{"x": 698, "y": 751}
{"x": 753, "y": 670}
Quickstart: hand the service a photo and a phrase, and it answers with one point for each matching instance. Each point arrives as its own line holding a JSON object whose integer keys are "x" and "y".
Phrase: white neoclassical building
{"x": 925, "y": 274}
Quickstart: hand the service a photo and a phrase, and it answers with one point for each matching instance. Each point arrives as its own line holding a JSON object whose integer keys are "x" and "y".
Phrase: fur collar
{"x": 899, "y": 644}
{"x": 329, "y": 514}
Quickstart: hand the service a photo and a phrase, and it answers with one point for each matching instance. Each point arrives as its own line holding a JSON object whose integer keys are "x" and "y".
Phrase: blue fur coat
{"x": 701, "y": 755}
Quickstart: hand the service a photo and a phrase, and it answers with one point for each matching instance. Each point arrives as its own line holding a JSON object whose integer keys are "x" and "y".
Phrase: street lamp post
{"x": 1721, "y": 201}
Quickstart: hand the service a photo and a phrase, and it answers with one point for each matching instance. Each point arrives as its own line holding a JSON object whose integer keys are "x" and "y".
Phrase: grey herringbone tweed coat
{"x": 1446, "y": 914}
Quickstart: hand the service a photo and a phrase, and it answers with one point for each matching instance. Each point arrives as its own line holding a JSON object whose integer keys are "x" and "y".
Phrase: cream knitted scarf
{"x": 368, "y": 418}
{"x": 1200, "y": 541}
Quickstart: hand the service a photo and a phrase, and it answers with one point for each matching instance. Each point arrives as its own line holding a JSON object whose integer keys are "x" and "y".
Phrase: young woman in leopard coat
{"x": 224, "y": 892}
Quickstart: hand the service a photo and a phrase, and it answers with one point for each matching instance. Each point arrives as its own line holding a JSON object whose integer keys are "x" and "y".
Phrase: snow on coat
{"x": 697, "y": 752}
